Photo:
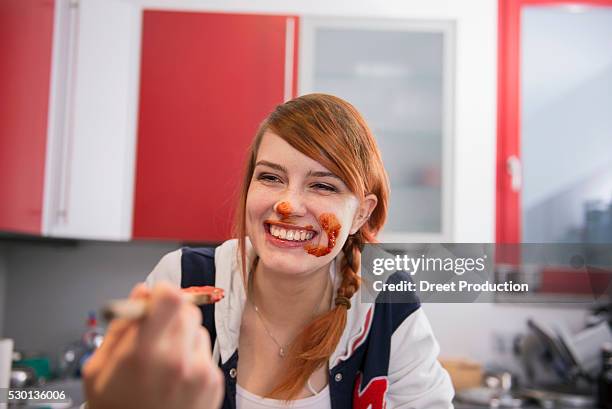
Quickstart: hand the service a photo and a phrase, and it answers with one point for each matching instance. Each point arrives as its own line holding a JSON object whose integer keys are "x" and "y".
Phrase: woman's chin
{"x": 292, "y": 262}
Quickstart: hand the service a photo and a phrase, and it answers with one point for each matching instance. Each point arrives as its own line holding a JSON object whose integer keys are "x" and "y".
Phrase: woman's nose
{"x": 291, "y": 206}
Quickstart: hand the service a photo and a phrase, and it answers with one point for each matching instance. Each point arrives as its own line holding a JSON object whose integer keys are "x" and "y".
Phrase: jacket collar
{"x": 228, "y": 311}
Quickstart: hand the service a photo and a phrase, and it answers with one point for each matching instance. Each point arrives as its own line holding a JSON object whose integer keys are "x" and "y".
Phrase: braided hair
{"x": 314, "y": 345}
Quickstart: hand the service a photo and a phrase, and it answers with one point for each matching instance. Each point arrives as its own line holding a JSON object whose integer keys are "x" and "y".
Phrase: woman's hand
{"x": 161, "y": 361}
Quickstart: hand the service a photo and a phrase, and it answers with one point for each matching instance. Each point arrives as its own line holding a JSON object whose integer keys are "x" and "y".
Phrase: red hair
{"x": 332, "y": 132}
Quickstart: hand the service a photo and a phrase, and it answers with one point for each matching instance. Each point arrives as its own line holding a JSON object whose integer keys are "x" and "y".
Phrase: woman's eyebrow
{"x": 281, "y": 168}
{"x": 320, "y": 174}
{"x": 272, "y": 165}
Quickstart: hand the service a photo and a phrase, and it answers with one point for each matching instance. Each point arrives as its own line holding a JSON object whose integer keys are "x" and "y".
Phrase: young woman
{"x": 291, "y": 329}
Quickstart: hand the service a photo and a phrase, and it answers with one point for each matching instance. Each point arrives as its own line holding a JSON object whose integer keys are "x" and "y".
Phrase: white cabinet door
{"x": 93, "y": 117}
{"x": 399, "y": 75}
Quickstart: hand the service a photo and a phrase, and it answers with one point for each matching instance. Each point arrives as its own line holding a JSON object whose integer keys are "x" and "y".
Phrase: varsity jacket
{"x": 386, "y": 357}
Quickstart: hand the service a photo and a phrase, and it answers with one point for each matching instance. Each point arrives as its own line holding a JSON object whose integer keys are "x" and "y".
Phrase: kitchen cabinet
{"x": 69, "y": 92}
{"x": 399, "y": 75}
{"x": 26, "y": 29}
{"x": 135, "y": 130}
{"x": 150, "y": 115}
{"x": 207, "y": 80}
{"x": 92, "y": 143}
{"x": 554, "y": 172}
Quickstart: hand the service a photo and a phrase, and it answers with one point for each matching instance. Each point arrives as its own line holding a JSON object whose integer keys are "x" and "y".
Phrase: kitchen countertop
{"x": 461, "y": 405}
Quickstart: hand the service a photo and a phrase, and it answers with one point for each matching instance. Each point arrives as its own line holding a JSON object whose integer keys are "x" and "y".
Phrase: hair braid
{"x": 314, "y": 345}
{"x": 351, "y": 265}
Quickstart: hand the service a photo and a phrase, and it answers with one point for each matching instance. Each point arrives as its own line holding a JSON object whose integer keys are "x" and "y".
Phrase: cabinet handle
{"x": 515, "y": 171}
{"x": 289, "y": 53}
{"x": 68, "y": 134}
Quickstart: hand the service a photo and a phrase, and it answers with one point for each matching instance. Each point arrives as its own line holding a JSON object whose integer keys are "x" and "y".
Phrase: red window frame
{"x": 508, "y": 211}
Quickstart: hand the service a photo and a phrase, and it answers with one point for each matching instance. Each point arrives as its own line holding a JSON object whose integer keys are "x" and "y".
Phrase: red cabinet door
{"x": 26, "y": 35}
{"x": 207, "y": 81}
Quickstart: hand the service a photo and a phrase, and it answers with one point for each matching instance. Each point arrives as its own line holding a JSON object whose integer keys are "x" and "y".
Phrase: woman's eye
{"x": 323, "y": 186}
{"x": 268, "y": 178}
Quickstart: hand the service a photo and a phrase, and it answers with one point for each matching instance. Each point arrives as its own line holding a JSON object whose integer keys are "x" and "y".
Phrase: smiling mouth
{"x": 289, "y": 233}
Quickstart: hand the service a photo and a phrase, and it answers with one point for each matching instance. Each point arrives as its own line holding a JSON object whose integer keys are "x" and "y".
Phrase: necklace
{"x": 282, "y": 349}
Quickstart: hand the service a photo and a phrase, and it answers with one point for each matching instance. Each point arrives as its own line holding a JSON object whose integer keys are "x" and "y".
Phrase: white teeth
{"x": 289, "y": 234}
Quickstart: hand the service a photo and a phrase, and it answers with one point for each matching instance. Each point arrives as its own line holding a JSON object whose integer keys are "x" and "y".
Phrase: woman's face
{"x": 291, "y": 198}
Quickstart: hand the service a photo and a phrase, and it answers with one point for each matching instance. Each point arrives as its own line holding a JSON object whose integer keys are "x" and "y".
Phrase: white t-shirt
{"x": 248, "y": 400}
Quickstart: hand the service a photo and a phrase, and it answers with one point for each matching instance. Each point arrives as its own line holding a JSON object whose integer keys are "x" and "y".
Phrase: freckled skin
{"x": 331, "y": 226}
{"x": 284, "y": 209}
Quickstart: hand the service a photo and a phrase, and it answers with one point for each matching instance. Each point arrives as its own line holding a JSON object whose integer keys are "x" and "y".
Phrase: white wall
{"x": 52, "y": 286}
{"x": 484, "y": 332}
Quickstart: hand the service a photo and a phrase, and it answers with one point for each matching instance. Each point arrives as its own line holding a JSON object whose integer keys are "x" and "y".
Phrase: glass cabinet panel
{"x": 398, "y": 75}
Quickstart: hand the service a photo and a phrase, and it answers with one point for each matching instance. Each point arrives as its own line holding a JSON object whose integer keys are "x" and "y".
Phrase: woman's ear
{"x": 364, "y": 211}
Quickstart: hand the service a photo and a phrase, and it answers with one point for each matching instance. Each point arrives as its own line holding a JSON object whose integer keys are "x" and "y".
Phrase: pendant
{"x": 281, "y": 352}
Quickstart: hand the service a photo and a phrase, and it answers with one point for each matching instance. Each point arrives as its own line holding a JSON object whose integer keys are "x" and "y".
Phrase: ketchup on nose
{"x": 284, "y": 209}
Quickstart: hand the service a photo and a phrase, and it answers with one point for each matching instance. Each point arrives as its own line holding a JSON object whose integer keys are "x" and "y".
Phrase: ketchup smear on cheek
{"x": 330, "y": 224}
